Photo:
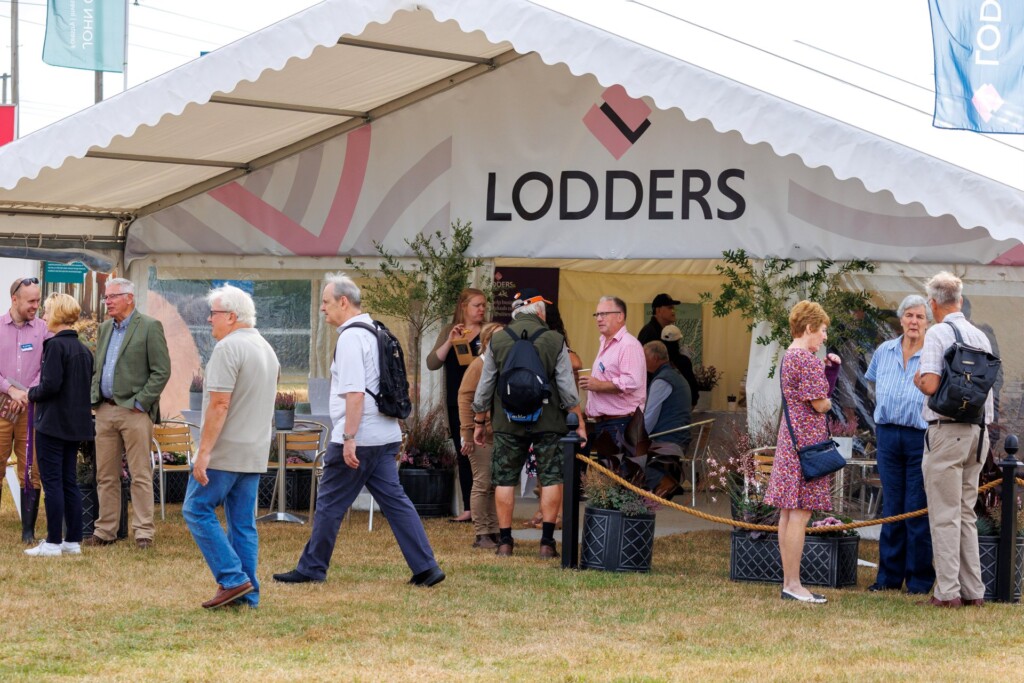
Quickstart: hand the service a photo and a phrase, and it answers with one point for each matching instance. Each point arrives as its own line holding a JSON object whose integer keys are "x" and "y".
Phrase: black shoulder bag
{"x": 819, "y": 459}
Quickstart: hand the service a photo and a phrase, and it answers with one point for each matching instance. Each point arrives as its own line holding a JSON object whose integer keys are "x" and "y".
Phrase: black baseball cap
{"x": 664, "y": 300}
{"x": 525, "y": 297}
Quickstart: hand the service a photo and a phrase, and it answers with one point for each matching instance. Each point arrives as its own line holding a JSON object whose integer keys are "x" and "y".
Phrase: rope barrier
{"x": 761, "y": 527}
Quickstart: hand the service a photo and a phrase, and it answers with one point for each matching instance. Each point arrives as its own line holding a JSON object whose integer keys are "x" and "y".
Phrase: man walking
{"x": 618, "y": 381}
{"x": 363, "y": 448}
{"x": 954, "y": 453}
{"x": 238, "y": 410}
{"x": 513, "y": 440}
{"x": 21, "y": 356}
{"x": 132, "y": 367}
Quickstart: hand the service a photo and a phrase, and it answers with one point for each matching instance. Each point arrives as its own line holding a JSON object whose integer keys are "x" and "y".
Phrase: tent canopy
{"x": 808, "y": 87}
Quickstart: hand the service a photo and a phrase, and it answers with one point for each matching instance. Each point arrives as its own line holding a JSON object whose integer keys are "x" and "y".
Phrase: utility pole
{"x": 4, "y": 77}
{"x": 14, "y": 65}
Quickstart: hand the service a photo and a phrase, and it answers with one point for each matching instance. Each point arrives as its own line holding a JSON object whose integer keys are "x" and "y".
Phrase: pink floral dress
{"x": 803, "y": 380}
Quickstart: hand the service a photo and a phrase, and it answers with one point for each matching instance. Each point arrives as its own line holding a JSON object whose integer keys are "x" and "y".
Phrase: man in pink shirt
{"x": 21, "y": 357}
{"x": 617, "y": 384}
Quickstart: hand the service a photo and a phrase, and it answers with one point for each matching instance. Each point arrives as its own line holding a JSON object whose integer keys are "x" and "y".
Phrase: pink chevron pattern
{"x": 287, "y": 232}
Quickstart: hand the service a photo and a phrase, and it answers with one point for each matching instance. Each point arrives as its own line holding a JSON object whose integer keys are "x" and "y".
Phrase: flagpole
{"x": 124, "y": 64}
{"x": 14, "y": 67}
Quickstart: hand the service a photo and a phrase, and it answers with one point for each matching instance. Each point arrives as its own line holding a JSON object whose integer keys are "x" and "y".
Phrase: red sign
{"x": 6, "y": 123}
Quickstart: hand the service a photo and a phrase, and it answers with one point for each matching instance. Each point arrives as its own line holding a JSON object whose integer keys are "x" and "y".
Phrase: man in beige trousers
{"x": 132, "y": 368}
{"x": 953, "y": 456}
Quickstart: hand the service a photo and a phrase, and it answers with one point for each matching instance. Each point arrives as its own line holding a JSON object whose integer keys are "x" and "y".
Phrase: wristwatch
{"x": 348, "y": 437}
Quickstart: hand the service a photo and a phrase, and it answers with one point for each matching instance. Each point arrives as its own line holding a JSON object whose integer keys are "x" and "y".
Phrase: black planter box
{"x": 177, "y": 484}
{"x": 988, "y": 552}
{"x": 429, "y": 490}
{"x": 296, "y": 486}
{"x": 91, "y": 509}
{"x": 826, "y": 561}
{"x": 614, "y": 542}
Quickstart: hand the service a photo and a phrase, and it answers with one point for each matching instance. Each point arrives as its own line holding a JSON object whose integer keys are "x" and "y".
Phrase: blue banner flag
{"x": 979, "y": 64}
{"x": 85, "y": 34}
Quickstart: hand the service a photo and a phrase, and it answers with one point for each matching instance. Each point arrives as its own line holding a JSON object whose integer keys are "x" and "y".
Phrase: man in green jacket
{"x": 132, "y": 367}
{"x": 513, "y": 440}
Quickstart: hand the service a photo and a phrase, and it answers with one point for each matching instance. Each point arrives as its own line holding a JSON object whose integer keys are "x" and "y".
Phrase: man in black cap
{"x": 663, "y": 312}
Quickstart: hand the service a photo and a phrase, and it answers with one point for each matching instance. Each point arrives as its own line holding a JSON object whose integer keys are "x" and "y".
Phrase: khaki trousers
{"x": 481, "y": 498}
{"x": 14, "y": 439}
{"x": 119, "y": 430}
{"x": 951, "y": 470}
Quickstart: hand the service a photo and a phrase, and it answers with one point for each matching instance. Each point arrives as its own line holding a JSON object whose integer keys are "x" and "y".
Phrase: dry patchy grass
{"x": 120, "y": 614}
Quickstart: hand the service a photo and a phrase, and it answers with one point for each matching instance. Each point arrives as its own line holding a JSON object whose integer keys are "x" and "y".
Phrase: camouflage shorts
{"x": 510, "y": 453}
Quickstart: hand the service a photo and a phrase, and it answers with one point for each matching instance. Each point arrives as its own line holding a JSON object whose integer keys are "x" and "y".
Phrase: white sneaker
{"x": 68, "y": 548}
{"x": 44, "y": 549}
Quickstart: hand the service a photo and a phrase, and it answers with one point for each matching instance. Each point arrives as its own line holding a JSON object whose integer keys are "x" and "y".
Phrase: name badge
{"x": 26, "y": 347}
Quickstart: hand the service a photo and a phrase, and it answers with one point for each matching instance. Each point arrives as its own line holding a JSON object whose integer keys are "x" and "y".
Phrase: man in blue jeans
{"x": 362, "y": 451}
{"x": 238, "y": 411}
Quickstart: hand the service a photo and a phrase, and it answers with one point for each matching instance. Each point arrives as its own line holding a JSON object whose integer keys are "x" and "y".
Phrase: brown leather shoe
{"x": 504, "y": 550}
{"x": 666, "y": 487}
{"x": 976, "y": 602}
{"x": 93, "y": 541}
{"x": 548, "y": 552}
{"x": 143, "y": 543}
{"x": 955, "y": 603}
{"x": 225, "y": 596}
{"x": 484, "y": 541}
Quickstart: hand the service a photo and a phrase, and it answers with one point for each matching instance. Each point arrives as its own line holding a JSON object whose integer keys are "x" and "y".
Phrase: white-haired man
{"x": 954, "y": 453}
{"x": 363, "y": 448}
{"x": 132, "y": 368}
{"x": 238, "y": 409}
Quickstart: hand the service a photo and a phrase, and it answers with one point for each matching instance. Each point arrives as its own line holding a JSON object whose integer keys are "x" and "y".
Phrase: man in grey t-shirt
{"x": 238, "y": 408}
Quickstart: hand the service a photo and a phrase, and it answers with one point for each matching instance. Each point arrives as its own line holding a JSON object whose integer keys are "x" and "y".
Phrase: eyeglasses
{"x": 213, "y": 313}
{"x": 107, "y": 297}
{"x": 20, "y": 283}
{"x": 605, "y": 314}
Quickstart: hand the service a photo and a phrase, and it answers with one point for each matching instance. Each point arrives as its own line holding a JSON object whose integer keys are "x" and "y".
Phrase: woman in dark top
{"x": 63, "y": 421}
{"x": 464, "y": 331}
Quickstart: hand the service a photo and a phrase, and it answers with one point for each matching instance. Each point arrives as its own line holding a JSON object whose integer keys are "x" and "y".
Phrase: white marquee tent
{"x": 604, "y": 135}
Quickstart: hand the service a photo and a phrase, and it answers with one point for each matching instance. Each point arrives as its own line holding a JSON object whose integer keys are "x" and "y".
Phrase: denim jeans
{"x": 904, "y": 548}
{"x": 231, "y": 556}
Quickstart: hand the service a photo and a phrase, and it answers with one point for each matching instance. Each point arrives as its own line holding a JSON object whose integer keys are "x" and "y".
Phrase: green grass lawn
{"x": 122, "y": 614}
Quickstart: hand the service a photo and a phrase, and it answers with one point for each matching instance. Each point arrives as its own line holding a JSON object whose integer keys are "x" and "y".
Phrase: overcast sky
{"x": 162, "y": 34}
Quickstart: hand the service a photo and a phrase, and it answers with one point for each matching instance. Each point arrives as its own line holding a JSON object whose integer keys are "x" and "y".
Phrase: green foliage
{"x": 424, "y": 293}
{"x": 428, "y": 445}
{"x": 765, "y": 292}
{"x": 604, "y": 494}
{"x": 285, "y": 400}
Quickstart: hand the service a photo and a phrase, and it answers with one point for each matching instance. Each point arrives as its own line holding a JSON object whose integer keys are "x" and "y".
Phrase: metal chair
{"x": 311, "y": 437}
{"x": 172, "y": 436}
{"x": 700, "y": 444}
{"x": 318, "y": 471}
{"x": 764, "y": 459}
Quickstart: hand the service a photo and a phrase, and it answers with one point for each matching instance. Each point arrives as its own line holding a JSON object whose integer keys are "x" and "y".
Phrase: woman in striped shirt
{"x": 905, "y": 548}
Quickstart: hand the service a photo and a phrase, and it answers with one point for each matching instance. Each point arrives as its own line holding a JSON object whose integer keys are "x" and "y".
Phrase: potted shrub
{"x": 707, "y": 377}
{"x": 989, "y": 524}
{"x": 618, "y": 527}
{"x": 843, "y": 432}
{"x": 195, "y": 392}
{"x": 284, "y": 410}
{"x": 426, "y": 465}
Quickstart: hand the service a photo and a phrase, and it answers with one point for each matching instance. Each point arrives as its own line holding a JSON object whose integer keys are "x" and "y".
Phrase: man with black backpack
{"x": 956, "y": 371}
{"x": 366, "y": 399}
{"x": 526, "y": 389}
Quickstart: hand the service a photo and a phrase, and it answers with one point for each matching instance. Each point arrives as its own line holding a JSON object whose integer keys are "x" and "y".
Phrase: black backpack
{"x": 393, "y": 399}
{"x": 523, "y": 382}
{"x": 968, "y": 375}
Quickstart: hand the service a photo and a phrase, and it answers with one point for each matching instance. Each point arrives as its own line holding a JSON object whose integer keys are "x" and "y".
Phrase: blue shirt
{"x": 897, "y": 400}
{"x": 113, "y": 349}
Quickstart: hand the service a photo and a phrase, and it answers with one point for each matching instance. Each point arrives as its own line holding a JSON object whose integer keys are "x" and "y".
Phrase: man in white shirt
{"x": 954, "y": 453}
{"x": 363, "y": 449}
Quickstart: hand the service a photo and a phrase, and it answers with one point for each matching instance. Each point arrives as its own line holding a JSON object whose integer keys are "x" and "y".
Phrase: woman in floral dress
{"x": 807, "y": 383}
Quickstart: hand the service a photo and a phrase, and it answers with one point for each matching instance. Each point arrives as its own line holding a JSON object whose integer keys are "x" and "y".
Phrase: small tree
{"x": 765, "y": 293}
{"x": 424, "y": 293}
